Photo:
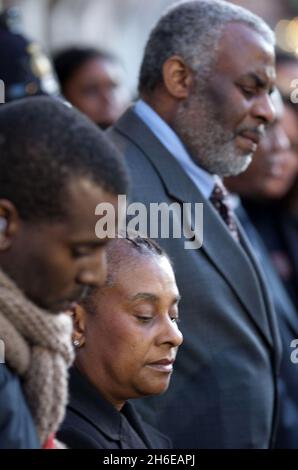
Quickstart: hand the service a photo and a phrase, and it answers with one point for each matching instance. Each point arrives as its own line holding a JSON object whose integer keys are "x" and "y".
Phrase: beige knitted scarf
{"x": 38, "y": 349}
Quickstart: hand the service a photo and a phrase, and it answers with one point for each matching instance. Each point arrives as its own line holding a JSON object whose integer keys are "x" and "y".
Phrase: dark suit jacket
{"x": 223, "y": 390}
{"x": 287, "y": 316}
{"x": 93, "y": 423}
{"x": 279, "y": 231}
{"x": 17, "y": 430}
{"x": 289, "y": 229}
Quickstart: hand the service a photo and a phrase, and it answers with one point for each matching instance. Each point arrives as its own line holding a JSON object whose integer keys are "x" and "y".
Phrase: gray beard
{"x": 206, "y": 140}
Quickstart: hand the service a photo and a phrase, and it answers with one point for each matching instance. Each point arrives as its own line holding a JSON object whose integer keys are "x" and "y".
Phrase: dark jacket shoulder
{"x": 17, "y": 430}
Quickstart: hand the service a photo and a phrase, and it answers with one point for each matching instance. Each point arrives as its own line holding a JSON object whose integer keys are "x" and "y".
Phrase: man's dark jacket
{"x": 17, "y": 430}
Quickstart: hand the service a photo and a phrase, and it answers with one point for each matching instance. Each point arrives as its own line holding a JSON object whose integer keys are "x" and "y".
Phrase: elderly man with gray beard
{"x": 205, "y": 84}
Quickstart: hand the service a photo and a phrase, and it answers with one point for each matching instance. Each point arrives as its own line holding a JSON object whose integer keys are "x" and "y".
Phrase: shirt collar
{"x": 165, "y": 134}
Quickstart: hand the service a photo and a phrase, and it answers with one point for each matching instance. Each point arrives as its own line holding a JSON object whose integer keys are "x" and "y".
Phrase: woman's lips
{"x": 164, "y": 365}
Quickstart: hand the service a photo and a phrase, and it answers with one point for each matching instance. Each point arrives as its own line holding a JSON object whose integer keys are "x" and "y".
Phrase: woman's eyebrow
{"x": 151, "y": 297}
{"x": 144, "y": 296}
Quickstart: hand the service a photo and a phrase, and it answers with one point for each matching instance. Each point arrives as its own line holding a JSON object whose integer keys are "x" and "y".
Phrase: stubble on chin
{"x": 207, "y": 142}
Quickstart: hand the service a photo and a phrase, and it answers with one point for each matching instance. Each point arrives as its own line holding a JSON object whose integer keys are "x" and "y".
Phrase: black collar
{"x": 86, "y": 400}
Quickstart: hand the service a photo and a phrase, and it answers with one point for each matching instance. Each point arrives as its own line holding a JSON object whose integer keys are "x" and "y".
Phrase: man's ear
{"x": 9, "y": 223}
{"x": 177, "y": 77}
{"x": 78, "y": 315}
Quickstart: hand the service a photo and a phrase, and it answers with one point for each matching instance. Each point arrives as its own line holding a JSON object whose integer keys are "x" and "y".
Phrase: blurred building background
{"x": 122, "y": 26}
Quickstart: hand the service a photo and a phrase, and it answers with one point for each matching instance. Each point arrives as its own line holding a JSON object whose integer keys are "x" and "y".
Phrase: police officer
{"x": 24, "y": 68}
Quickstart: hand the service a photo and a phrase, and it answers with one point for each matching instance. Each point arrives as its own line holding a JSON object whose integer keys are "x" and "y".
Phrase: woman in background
{"x": 93, "y": 81}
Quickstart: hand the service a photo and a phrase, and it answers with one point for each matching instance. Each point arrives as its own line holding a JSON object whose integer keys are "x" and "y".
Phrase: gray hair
{"x": 192, "y": 29}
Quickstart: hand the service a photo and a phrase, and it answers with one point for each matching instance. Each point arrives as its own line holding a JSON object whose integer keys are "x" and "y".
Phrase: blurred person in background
{"x": 270, "y": 176}
{"x": 287, "y": 71}
{"x": 275, "y": 164}
{"x": 92, "y": 81}
{"x": 273, "y": 209}
{"x": 50, "y": 183}
{"x": 126, "y": 338}
{"x": 24, "y": 68}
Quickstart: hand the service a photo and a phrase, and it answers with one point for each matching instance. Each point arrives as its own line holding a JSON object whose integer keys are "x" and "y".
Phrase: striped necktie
{"x": 219, "y": 199}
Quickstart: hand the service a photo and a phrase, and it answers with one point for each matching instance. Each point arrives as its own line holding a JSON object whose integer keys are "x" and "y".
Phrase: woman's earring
{"x": 76, "y": 343}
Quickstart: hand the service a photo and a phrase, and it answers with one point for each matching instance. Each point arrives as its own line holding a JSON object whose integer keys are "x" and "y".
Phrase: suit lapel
{"x": 272, "y": 320}
{"x": 179, "y": 186}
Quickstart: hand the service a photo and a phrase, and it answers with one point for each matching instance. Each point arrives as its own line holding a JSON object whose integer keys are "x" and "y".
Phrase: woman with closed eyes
{"x": 126, "y": 338}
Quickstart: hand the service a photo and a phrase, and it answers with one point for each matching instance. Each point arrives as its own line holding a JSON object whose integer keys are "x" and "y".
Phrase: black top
{"x": 279, "y": 231}
{"x": 93, "y": 423}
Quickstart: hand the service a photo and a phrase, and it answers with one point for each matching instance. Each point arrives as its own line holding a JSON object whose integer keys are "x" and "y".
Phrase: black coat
{"x": 17, "y": 430}
{"x": 93, "y": 423}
